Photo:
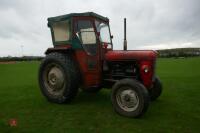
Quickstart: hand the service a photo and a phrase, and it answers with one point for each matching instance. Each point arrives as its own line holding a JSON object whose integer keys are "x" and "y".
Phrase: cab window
{"x": 61, "y": 31}
{"x": 86, "y": 34}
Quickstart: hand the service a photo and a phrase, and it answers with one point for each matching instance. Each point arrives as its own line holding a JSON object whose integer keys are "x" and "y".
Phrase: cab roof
{"x": 68, "y": 16}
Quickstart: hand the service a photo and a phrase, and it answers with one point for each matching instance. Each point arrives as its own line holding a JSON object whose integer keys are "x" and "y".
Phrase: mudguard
{"x": 58, "y": 49}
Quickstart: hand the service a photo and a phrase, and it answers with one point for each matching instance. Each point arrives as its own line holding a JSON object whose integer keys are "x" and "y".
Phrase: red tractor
{"x": 83, "y": 57}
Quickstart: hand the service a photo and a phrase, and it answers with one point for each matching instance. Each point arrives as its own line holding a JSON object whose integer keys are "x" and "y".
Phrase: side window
{"x": 61, "y": 31}
{"x": 104, "y": 32}
{"x": 86, "y": 34}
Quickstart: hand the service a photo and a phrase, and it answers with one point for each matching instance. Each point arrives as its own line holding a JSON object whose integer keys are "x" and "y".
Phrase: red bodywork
{"x": 130, "y": 55}
{"x": 145, "y": 58}
{"x": 93, "y": 77}
{"x": 90, "y": 77}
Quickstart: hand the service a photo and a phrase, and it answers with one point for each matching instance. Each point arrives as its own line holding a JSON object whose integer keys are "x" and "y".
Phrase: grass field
{"x": 177, "y": 110}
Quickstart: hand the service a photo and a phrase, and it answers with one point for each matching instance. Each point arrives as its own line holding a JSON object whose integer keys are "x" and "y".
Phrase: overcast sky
{"x": 151, "y": 24}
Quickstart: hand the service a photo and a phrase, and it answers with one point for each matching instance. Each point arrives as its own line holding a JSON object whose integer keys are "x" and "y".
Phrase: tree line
{"x": 179, "y": 52}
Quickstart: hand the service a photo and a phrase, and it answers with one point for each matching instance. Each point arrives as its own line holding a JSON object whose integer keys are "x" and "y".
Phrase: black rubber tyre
{"x": 156, "y": 90}
{"x": 63, "y": 70}
{"x": 91, "y": 90}
{"x": 140, "y": 98}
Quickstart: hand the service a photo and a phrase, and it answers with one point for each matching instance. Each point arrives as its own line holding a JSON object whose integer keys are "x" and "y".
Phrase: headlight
{"x": 146, "y": 69}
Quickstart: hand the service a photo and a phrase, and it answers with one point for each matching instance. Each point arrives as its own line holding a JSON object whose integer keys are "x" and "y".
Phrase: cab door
{"x": 88, "y": 56}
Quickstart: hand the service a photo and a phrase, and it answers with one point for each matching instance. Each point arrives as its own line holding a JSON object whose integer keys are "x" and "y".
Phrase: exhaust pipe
{"x": 125, "y": 41}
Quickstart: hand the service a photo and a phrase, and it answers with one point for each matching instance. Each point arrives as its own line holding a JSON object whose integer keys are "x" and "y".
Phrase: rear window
{"x": 61, "y": 31}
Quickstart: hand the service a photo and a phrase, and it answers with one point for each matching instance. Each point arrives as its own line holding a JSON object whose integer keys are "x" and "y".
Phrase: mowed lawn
{"x": 176, "y": 111}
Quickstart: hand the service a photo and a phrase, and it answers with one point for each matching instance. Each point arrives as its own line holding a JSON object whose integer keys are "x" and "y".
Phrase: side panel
{"x": 89, "y": 68}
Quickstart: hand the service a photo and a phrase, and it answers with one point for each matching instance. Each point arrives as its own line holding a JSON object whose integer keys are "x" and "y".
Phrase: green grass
{"x": 177, "y": 110}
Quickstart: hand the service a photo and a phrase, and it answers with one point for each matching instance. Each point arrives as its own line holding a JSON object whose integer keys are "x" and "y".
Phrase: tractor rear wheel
{"x": 130, "y": 98}
{"x": 156, "y": 90}
{"x": 58, "y": 78}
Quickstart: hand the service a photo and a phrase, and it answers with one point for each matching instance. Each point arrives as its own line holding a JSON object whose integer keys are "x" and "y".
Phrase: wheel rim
{"x": 54, "y": 79}
{"x": 127, "y": 99}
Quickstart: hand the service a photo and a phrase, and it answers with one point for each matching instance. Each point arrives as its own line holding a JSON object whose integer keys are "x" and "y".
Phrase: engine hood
{"x": 116, "y": 55}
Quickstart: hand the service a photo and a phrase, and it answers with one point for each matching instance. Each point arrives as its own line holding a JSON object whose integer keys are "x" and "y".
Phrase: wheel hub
{"x": 56, "y": 78}
{"x": 128, "y": 99}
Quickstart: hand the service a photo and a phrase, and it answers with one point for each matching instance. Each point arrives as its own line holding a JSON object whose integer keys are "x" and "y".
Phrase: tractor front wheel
{"x": 156, "y": 90}
{"x": 130, "y": 98}
{"x": 58, "y": 78}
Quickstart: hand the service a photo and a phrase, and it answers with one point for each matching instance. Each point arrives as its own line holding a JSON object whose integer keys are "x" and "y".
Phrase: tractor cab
{"x": 82, "y": 56}
{"x": 81, "y": 31}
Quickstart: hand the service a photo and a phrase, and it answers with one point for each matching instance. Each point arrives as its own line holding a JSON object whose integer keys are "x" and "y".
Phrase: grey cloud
{"x": 151, "y": 23}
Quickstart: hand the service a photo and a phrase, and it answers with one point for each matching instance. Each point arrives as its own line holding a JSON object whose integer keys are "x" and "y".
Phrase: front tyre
{"x": 130, "y": 98}
{"x": 156, "y": 90}
{"x": 58, "y": 78}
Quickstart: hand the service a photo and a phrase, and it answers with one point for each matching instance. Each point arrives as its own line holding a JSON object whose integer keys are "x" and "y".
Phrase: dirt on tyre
{"x": 58, "y": 78}
{"x": 130, "y": 98}
{"x": 156, "y": 90}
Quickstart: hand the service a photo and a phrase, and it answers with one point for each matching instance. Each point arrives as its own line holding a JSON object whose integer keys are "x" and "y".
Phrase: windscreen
{"x": 103, "y": 29}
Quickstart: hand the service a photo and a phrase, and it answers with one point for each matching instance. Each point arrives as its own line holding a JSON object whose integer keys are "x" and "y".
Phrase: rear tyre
{"x": 156, "y": 90}
{"x": 129, "y": 98}
{"x": 58, "y": 78}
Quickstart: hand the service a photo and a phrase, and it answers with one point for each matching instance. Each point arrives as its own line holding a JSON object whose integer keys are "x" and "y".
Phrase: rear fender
{"x": 62, "y": 49}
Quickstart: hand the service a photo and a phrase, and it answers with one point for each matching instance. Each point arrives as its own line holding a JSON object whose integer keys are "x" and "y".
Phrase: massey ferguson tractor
{"x": 83, "y": 57}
